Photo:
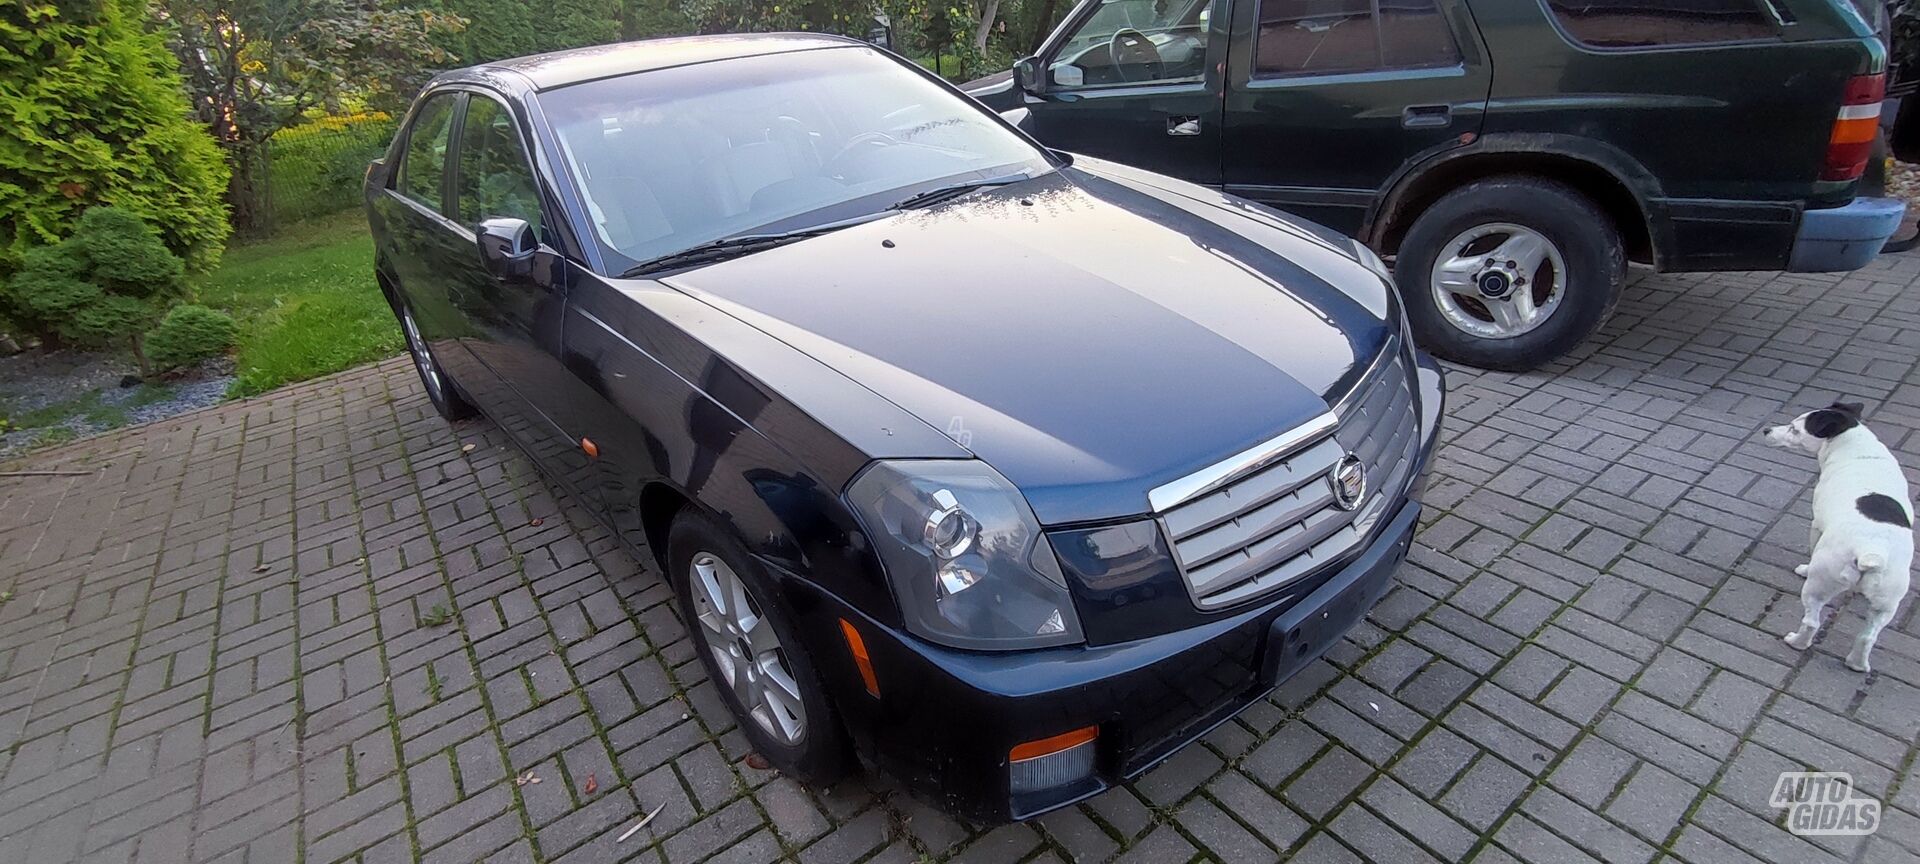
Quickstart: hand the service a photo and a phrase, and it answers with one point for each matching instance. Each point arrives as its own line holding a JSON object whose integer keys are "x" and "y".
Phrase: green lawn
{"x": 305, "y": 301}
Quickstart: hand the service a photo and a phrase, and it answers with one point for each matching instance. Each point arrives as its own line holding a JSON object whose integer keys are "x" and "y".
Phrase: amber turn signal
{"x": 858, "y": 648}
{"x": 1055, "y": 744}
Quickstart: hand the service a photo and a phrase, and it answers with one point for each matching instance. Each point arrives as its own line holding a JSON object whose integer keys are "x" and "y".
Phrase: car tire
{"x": 441, "y": 390}
{"x": 706, "y": 565}
{"x": 1476, "y": 292}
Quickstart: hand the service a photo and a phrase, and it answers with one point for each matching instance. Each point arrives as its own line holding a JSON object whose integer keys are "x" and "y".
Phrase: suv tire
{"x": 1509, "y": 272}
{"x": 760, "y": 667}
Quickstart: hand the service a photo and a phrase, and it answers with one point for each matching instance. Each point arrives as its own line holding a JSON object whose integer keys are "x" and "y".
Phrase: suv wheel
{"x": 446, "y": 399}
{"x": 752, "y": 654}
{"x": 1510, "y": 272}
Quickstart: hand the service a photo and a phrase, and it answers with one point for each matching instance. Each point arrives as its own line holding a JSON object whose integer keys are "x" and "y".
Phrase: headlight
{"x": 965, "y": 555}
{"x": 1371, "y": 261}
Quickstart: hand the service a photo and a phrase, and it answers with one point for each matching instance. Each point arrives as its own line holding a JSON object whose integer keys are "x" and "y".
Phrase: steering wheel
{"x": 1131, "y": 50}
{"x": 873, "y": 138}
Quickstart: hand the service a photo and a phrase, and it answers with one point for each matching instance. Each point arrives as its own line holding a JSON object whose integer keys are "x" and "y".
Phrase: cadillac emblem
{"x": 1349, "y": 483}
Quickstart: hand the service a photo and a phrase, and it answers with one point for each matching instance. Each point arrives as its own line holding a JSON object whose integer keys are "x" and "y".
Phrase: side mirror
{"x": 1026, "y": 75}
{"x": 506, "y": 247}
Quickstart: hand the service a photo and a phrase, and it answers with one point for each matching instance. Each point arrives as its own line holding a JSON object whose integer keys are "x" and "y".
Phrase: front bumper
{"x": 945, "y": 720}
{"x": 1840, "y": 239}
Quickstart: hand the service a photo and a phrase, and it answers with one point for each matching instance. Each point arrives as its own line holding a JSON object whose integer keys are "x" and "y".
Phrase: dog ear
{"x": 1828, "y": 422}
{"x": 1851, "y": 409}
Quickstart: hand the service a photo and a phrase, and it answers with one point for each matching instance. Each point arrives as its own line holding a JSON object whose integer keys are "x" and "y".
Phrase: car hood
{"x": 1092, "y": 333}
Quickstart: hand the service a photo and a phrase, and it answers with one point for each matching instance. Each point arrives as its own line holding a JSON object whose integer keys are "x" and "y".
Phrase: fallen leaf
{"x": 466, "y": 448}
{"x": 592, "y": 785}
{"x": 535, "y": 521}
{"x": 526, "y": 778}
{"x": 260, "y": 569}
{"x": 757, "y": 762}
{"x": 1375, "y": 706}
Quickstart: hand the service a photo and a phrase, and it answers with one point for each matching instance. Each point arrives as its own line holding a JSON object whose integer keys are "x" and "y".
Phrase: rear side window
{"x": 1321, "y": 36}
{"x": 1649, "y": 23}
{"x": 495, "y": 177}
{"x": 426, "y": 159}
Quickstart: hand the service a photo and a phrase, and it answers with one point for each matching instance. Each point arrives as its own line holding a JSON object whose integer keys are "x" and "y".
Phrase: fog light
{"x": 1051, "y": 763}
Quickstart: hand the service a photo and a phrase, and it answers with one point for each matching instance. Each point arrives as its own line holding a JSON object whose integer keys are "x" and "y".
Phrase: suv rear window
{"x": 1646, "y": 23}
{"x": 1323, "y": 36}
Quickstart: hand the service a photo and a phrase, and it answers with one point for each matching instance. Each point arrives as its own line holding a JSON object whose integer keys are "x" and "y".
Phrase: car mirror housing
{"x": 506, "y": 246}
{"x": 1026, "y": 75}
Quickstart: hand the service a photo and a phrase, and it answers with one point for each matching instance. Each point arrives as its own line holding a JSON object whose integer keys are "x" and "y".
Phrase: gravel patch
{"x": 67, "y": 395}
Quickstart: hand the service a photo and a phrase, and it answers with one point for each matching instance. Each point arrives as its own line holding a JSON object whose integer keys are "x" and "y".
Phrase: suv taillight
{"x": 1852, "y": 140}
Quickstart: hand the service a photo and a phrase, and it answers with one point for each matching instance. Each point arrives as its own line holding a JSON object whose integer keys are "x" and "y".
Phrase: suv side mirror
{"x": 1026, "y": 75}
{"x": 506, "y": 247}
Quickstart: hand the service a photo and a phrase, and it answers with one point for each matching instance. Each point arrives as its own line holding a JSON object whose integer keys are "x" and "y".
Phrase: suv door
{"x": 1326, "y": 99}
{"x": 516, "y": 319}
{"x": 1136, "y": 81}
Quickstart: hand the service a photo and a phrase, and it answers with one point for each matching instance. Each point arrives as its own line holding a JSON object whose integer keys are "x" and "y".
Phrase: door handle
{"x": 1426, "y": 117}
{"x": 1183, "y": 126}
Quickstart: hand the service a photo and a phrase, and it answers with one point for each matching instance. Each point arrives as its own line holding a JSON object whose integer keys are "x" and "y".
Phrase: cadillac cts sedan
{"x": 1008, "y": 470}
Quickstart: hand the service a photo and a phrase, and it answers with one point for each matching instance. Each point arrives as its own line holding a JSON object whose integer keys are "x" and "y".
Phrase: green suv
{"x": 1511, "y": 156}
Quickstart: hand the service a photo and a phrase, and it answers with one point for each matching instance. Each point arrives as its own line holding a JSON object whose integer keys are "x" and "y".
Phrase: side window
{"x": 426, "y": 158}
{"x": 495, "y": 176}
{"x": 1322, "y": 36}
{"x": 1134, "y": 42}
{"x": 1644, "y": 23}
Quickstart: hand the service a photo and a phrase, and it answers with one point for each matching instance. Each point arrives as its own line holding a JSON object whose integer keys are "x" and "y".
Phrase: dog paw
{"x": 1801, "y": 570}
{"x": 1798, "y": 639}
{"x": 1859, "y": 666}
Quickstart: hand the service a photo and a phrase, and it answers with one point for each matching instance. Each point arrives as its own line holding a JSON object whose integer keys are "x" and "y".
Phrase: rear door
{"x": 424, "y": 239}
{"x": 1326, "y": 99}
{"x": 1137, "y": 81}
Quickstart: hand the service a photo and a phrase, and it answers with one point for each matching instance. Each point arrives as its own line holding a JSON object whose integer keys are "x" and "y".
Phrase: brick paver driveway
{"x": 315, "y": 626}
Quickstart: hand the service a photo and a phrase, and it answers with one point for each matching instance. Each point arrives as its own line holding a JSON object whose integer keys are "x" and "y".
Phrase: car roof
{"x": 560, "y": 68}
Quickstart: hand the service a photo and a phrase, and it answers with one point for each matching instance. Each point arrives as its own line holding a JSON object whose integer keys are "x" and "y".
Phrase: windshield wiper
{"x": 737, "y": 245}
{"x": 954, "y": 190}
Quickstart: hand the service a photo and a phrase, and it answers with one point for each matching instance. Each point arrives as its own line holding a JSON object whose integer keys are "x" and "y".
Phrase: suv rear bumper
{"x": 1844, "y": 238}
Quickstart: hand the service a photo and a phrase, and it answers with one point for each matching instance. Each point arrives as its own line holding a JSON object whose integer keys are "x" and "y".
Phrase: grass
{"x": 305, "y": 303}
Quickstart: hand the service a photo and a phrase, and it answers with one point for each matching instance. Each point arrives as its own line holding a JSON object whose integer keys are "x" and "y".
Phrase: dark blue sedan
{"x": 1011, "y": 470}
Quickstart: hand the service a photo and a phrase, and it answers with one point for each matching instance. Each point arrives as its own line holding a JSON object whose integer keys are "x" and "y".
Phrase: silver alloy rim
{"x": 746, "y": 650}
{"x": 422, "y": 358}
{"x": 1498, "y": 280}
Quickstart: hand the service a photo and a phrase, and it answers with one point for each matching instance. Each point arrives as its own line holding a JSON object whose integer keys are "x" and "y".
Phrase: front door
{"x": 515, "y": 321}
{"x": 1326, "y": 99}
{"x": 1138, "y": 82}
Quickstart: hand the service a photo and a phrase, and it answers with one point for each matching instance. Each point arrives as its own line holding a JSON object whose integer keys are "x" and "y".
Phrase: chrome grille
{"x": 1268, "y": 517}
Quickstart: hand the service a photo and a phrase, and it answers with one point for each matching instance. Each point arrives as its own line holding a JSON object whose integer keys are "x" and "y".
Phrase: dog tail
{"x": 1870, "y": 560}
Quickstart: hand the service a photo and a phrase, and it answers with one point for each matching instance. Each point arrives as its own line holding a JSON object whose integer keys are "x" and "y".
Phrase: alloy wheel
{"x": 751, "y": 660}
{"x": 1498, "y": 280}
{"x": 422, "y": 357}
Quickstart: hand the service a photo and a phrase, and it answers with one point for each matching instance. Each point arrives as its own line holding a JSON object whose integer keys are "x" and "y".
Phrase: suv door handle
{"x": 1182, "y": 126}
{"x": 1426, "y": 116}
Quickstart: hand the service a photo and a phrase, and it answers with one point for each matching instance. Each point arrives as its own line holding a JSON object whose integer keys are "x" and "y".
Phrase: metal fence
{"x": 316, "y": 168}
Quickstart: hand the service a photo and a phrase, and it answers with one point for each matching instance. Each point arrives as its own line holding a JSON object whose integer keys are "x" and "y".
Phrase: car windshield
{"x": 673, "y": 158}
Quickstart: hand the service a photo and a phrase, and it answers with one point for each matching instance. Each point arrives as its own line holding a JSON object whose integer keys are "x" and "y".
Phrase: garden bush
{"x": 498, "y": 29}
{"x": 188, "y": 335}
{"x": 96, "y": 114}
{"x": 316, "y": 168}
{"x": 103, "y": 285}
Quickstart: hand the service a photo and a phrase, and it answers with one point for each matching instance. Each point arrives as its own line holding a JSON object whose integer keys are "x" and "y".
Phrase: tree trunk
{"x": 1041, "y": 27}
{"x": 247, "y": 192}
{"x": 989, "y": 10}
{"x": 140, "y": 354}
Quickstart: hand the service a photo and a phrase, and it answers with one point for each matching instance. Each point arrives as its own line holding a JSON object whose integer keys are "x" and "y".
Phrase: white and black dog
{"x": 1862, "y": 523}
